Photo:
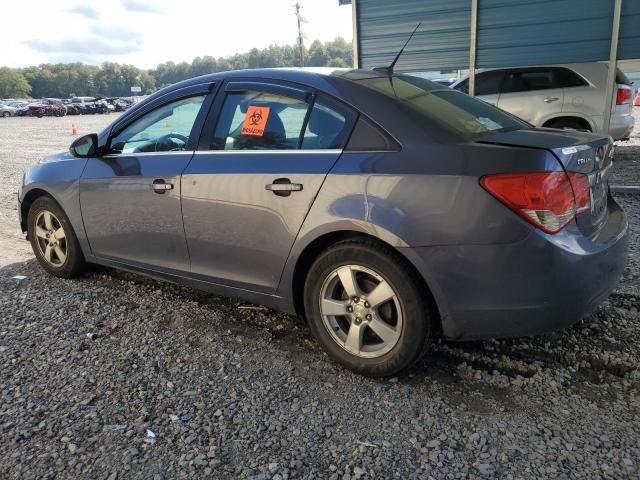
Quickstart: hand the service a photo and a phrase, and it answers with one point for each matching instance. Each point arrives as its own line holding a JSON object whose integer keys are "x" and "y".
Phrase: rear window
{"x": 455, "y": 110}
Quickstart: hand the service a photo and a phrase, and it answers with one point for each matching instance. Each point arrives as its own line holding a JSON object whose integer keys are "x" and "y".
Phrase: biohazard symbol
{"x": 256, "y": 117}
{"x": 255, "y": 121}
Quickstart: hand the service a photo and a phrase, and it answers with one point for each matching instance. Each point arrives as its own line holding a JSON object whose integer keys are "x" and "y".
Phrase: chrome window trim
{"x": 270, "y": 152}
{"x": 146, "y": 154}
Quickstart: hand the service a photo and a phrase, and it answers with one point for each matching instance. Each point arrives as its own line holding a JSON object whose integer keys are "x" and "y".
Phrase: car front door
{"x": 533, "y": 94}
{"x": 254, "y": 177}
{"x": 130, "y": 197}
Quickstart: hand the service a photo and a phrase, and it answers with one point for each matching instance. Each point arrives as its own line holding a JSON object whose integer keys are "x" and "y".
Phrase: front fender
{"x": 60, "y": 179}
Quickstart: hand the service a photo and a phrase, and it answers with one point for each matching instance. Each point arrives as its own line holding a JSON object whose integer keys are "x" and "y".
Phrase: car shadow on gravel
{"x": 601, "y": 349}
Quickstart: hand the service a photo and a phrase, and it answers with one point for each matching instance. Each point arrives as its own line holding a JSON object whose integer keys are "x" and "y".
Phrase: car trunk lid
{"x": 578, "y": 152}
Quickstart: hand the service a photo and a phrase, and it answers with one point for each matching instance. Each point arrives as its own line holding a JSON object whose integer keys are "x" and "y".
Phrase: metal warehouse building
{"x": 461, "y": 34}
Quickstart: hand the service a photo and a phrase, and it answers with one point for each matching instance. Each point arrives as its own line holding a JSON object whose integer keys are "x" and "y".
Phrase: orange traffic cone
{"x": 74, "y": 130}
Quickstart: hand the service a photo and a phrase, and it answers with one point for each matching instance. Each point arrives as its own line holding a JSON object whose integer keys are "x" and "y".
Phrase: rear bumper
{"x": 537, "y": 285}
{"x": 621, "y": 126}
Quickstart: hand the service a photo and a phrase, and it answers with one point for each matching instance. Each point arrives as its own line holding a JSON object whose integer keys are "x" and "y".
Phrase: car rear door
{"x": 264, "y": 153}
{"x": 533, "y": 94}
{"x": 130, "y": 197}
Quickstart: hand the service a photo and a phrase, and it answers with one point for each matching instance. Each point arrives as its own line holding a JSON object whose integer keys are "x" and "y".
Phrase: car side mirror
{"x": 85, "y": 146}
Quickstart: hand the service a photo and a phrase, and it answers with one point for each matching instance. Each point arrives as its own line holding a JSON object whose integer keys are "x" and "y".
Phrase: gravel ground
{"x": 627, "y": 168}
{"x": 117, "y": 376}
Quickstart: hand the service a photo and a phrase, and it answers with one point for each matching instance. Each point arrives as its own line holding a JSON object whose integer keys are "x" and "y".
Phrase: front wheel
{"x": 53, "y": 240}
{"x": 366, "y": 309}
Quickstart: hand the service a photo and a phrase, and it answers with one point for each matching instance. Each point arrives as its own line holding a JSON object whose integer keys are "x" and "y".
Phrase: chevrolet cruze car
{"x": 385, "y": 208}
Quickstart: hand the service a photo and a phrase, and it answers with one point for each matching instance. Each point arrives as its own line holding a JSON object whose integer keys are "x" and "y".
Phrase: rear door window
{"x": 326, "y": 128}
{"x": 530, "y": 80}
{"x": 254, "y": 120}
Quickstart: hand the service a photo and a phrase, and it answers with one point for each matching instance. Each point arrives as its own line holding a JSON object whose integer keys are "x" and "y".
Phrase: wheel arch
{"x": 28, "y": 199}
{"x": 314, "y": 249}
{"x": 573, "y": 117}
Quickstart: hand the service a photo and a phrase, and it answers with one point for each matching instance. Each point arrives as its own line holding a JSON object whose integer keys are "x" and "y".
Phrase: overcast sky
{"x": 147, "y": 32}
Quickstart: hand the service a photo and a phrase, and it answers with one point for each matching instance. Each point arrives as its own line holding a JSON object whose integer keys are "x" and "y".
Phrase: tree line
{"x": 112, "y": 79}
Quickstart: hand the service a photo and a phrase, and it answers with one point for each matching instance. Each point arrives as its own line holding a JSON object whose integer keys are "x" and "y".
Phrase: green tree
{"x": 317, "y": 56}
{"x": 13, "y": 84}
{"x": 337, "y": 62}
{"x": 113, "y": 79}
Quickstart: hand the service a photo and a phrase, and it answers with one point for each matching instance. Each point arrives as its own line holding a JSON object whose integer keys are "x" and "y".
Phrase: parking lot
{"x": 91, "y": 366}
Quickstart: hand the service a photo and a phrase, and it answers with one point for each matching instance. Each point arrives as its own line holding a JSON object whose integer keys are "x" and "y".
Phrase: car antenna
{"x": 389, "y": 70}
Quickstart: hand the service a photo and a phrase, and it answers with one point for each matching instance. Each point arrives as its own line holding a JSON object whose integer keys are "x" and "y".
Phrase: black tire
{"x": 416, "y": 332}
{"x": 6, "y": 114}
{"x": 568, "y": 124}
{"x": 74, "y": 263}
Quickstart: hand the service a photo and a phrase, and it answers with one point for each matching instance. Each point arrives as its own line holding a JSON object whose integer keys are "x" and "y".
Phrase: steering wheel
{"x": 166, "y": 138}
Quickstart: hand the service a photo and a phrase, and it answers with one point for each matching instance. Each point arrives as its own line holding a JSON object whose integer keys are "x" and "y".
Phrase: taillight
{"x": 548, "y": 200}
{"x": 623, "y": 95}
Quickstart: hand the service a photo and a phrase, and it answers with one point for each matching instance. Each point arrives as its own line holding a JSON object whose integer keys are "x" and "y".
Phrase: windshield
{"x": 457, "y": 111}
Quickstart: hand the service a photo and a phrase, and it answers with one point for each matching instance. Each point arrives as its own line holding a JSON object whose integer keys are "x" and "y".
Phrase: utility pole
{"x": 300, "y": 45}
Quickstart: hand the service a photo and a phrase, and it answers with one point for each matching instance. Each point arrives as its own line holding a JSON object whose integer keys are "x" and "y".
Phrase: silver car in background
{"x": 568, "y": 96}
{"x": 6, "y": 110}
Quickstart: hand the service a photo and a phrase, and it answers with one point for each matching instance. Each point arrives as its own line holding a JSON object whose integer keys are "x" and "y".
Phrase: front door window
{"x": 165, "y": 129}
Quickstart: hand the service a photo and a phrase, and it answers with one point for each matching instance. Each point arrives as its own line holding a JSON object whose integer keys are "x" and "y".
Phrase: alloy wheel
{"x": 361, "y": 311}
{"x": 51, "y": 238}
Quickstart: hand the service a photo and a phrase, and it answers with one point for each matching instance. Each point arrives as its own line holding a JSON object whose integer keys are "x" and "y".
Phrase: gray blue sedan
{"x": 386, "y": 209}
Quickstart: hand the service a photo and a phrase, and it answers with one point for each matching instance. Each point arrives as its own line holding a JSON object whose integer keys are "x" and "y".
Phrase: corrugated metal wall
{"x": 442, "y": 41}
{"x": 510, "y": 32}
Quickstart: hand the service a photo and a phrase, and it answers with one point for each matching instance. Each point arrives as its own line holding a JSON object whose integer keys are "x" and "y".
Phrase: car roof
{"x": 314, "y": 77}
{"x": 347, "y": 85}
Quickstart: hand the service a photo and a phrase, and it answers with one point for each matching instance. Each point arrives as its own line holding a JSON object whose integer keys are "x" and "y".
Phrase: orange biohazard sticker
{"x": 255, "y": 121}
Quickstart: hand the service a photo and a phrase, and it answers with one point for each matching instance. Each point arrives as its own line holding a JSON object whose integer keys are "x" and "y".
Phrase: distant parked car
{"x": 91, "y": 105}
{"x": 22, "y": 108}
{"x": 47, "y": 107}
{"x": 72, "y": 108}
{"x": 558, "y": 96}
{"x": 119, "y": 104}
{"x": 7, "y": 111}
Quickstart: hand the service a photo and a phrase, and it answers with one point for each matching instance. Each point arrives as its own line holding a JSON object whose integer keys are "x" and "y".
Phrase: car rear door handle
{"x": 551, "y": 99}
{"x": 283, "y": 187}
{"x": 160, "y": 186}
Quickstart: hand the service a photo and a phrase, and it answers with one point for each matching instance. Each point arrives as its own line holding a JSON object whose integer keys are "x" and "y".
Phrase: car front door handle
{"x": 283, "y": 187}
{"x": 551, "y": 99}
{"x": 160, "y": 186}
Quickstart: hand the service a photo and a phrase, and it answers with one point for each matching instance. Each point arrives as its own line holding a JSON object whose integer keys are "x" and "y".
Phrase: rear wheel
{"x": 6, "y": 114}
{"x": 53, "y": 240}
{"x": 365, "y": 308}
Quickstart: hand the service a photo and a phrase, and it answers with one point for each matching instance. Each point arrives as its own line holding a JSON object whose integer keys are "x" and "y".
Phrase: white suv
{"x": 558, "y": 96}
